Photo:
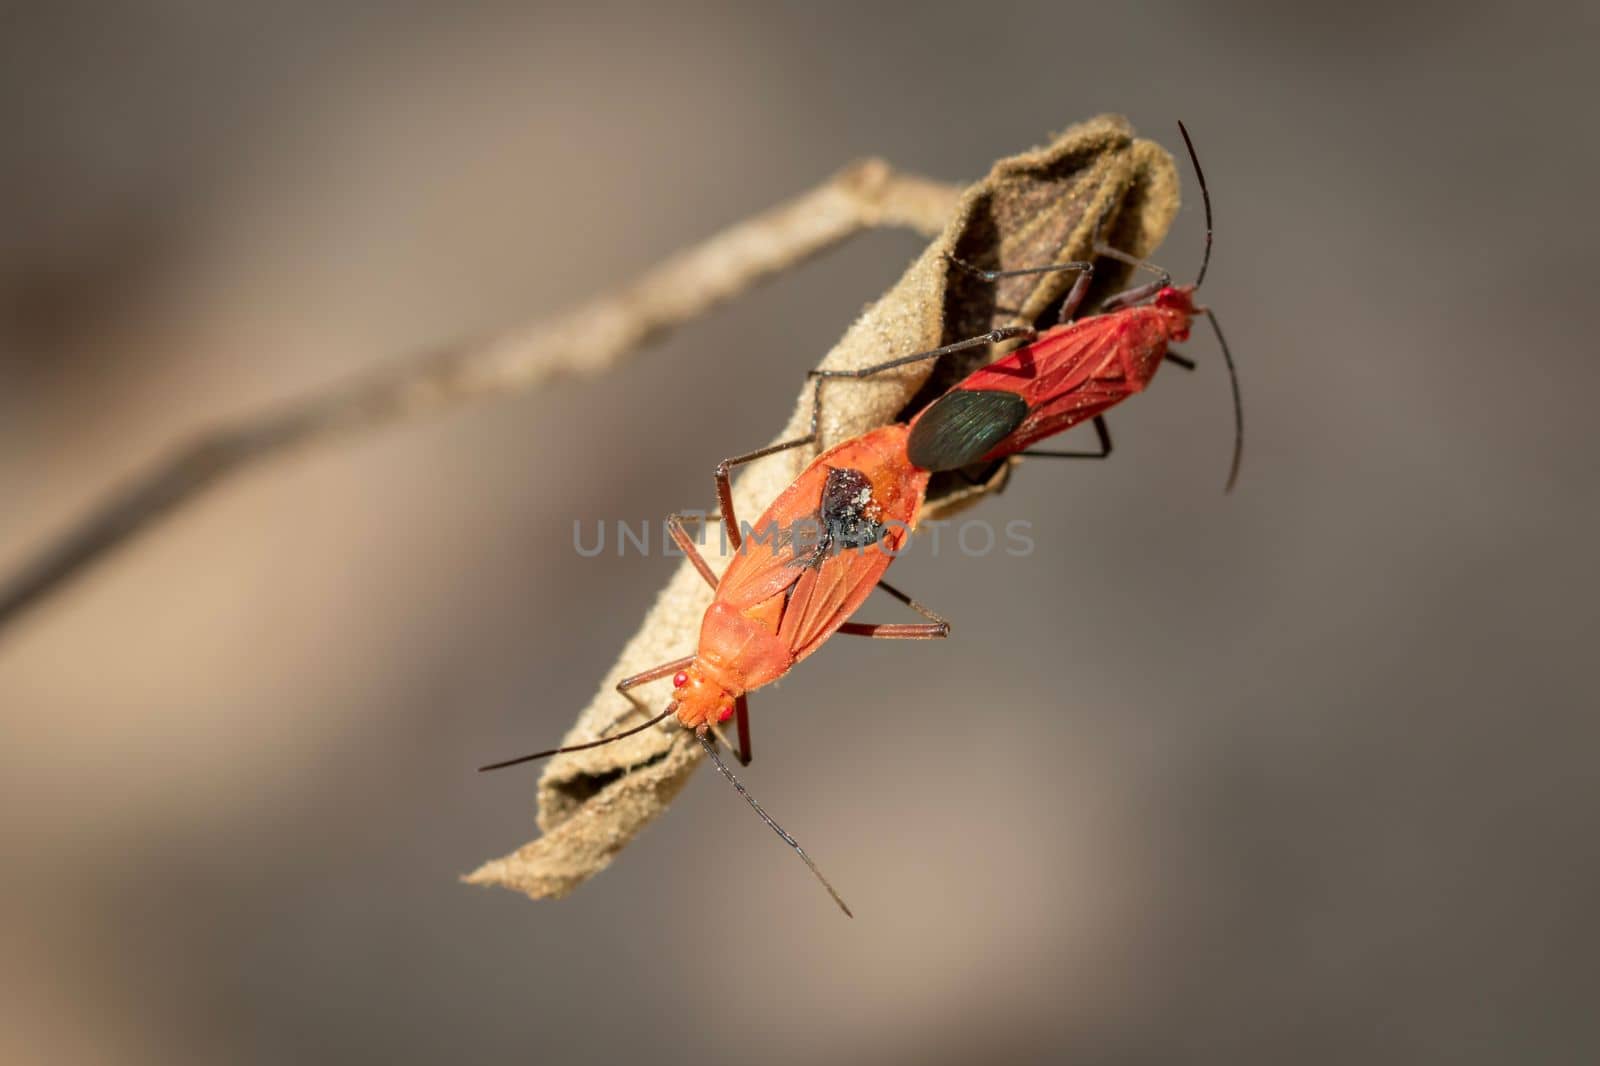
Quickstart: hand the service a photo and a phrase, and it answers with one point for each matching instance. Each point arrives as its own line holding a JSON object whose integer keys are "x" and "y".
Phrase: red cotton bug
{"x": 861, "y": 499}
{"x": 773, "y": 608}
{"x": 1068, "y": 374}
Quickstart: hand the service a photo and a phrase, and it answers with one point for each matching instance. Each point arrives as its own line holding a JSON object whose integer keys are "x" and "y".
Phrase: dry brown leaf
{"x": 1032, "y": 209}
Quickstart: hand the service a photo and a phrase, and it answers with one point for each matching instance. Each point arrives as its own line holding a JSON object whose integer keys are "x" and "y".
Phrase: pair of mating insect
{"x": 862, "y": 497}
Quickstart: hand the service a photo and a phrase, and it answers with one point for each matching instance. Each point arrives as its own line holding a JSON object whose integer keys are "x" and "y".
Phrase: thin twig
{"x": 585, "y": 340}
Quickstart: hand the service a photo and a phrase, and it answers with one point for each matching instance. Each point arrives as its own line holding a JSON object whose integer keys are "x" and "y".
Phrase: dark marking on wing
{"x": 844, "y": 520}
{"x": 961, "y": 426}
{"x": 848, "y": 519}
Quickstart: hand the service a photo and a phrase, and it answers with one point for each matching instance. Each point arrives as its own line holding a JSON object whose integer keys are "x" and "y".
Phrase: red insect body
{"x": 1067, "y": 375}
{"x": 781, "y": 597}
{"x": 1076, "y": 371}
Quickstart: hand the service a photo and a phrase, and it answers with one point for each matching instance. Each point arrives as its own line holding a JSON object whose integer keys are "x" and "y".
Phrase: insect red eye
{"x": 727, "y": 713}
{"x": 680, "y": 679}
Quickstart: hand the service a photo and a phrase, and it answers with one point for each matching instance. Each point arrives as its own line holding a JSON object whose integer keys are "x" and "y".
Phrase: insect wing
{"x": 1059, "y": 363}
{"x": 770, "y": 559}
{"x": 963, "y": 425}
{"x": 881, "y": 514}
{"x": 828, "y": 594}
{"x": 1066, "y": 377}
{"x": 860, "y": 487}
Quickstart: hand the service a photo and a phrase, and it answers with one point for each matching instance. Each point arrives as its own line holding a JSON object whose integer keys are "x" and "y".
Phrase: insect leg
{"x": 984, "y": 478}
{"x": 721, "y": 475}
{"x": 1069, "y": 306}
{"x": 994, "y": 336}
{"x": 1141, "y": 292}
{"x": 623, "y": 686}
{"x": 742, "y": 751}
{"x": 996, "y": 275}
{"x": 1179, "y": 360}
{"x": 685, "y": 542}
{"x": 741, "y": 713}
{"x": 655, "y": 673}
{"x": 1100, "y": 429}
{"x": 934, "y": 629}
{"x": 680, "y": 535}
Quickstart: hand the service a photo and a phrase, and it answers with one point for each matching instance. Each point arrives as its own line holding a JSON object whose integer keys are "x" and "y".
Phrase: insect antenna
{"x": 1227, "y": 356}
{"x": 671, "y": 708}
{"x": 1205, "y": 197}
{"x": 1238, "y": 405}
{"x": 711, "y": 750}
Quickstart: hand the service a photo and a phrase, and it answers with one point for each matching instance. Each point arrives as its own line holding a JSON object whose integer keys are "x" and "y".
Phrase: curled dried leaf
{"x": 1040, "y": 207}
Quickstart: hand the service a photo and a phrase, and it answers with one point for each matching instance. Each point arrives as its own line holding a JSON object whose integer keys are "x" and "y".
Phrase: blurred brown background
{"x": 1304, "y": 774}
